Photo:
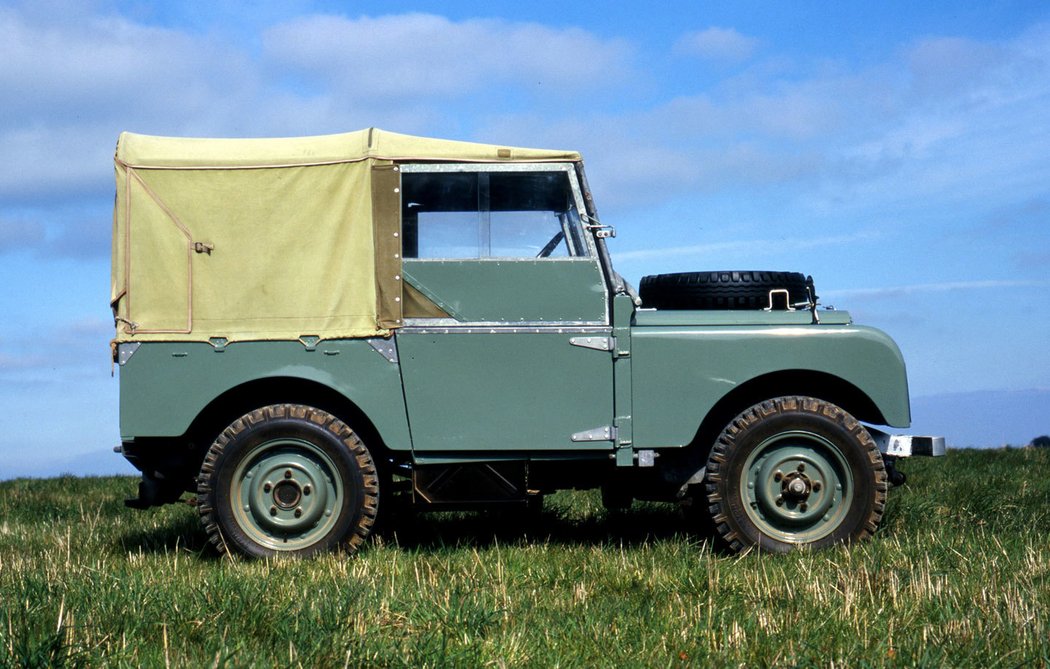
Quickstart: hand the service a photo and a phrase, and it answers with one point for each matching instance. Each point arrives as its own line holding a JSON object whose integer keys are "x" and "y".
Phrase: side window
{"x": 489, "y": 214}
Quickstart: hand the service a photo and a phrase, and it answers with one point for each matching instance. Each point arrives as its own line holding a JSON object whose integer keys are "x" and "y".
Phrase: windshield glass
{"x": 489, "y": 215}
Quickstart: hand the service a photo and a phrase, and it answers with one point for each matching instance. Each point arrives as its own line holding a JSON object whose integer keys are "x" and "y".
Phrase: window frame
{"x": 589, "y": 250}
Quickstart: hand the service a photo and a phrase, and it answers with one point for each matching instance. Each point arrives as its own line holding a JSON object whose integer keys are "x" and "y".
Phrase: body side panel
{"x": 165, "y": 385}
{"x": 502, "y": 390}
{"x": 681, "y": 372}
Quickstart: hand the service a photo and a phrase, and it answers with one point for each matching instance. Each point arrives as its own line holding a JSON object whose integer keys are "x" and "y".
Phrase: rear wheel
{"x": 287, "y": 479}
{"x": 795, "y": 472}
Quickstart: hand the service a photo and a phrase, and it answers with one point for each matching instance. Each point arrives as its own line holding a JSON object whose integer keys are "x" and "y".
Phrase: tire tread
{"x": 751, "y": 417}
{"x": 356, "y": 536}
{"x": 736, "y": 289}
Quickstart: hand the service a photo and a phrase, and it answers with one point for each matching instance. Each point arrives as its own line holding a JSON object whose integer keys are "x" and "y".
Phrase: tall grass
{"x": 959, "y": 575}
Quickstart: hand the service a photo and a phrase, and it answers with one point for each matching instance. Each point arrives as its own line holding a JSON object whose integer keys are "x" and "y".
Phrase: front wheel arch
{"x": 792, "y": 382}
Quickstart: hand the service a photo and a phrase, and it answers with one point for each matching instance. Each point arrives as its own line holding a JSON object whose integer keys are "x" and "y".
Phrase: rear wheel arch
{"x": 241, "y": 399}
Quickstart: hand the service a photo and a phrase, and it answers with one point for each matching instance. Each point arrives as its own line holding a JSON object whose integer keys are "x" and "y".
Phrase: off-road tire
{"x": 734, "y": 290}
{"x": 746, "y": 468}
{"x": 311, "y": 454}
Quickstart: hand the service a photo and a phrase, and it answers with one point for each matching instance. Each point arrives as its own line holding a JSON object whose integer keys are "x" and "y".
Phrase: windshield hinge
{"x": 600, "y": 230}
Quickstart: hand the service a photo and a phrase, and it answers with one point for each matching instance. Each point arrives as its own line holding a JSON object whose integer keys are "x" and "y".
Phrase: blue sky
{"x": 897, "y": 151}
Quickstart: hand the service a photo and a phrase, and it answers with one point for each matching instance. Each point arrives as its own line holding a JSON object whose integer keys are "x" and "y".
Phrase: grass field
{"x": 958, "y": 576}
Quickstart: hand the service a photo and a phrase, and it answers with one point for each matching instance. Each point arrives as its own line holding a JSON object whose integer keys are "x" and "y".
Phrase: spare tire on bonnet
{"x": 741, "y": 289}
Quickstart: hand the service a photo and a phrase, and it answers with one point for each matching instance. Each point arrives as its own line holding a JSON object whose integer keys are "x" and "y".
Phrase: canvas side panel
{"x": 158, "y": 265}
{"x": 280, "y": 252}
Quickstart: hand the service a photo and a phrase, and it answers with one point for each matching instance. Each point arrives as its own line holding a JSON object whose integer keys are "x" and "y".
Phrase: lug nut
{"x": 307, "y": 489}
{"x": 273, "y": 510}
{"x": 779, "y": 475}
{"x": 267, "y": 487}
{"x": 801, "y": 467}
{"x": 780, "y": 501}
{"x": 298, "y": 512}
{"x": 817, "y": 486}
{"x": 803, "y": 506}
{"x": 288, "y": 473}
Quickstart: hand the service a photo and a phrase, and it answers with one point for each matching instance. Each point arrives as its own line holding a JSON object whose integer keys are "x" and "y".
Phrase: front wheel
{"x": 795, "y": 472}
{"x": 287, "y": 479}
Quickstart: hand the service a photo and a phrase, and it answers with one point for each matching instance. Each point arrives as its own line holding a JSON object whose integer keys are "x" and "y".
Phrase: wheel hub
{"x": 796, "y": 486}
{"x": 288, "y": 494}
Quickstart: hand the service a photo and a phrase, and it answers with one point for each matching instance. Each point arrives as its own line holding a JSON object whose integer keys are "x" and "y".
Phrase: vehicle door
{"x": 507, "y": 312}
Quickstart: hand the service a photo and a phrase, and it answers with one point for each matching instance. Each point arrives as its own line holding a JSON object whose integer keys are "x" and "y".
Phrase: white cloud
{"x": 949, "y": 65}
{"x": 717, "y": 44}
{"x": 11, "y": 364}
{"x": 420, "y": 56}
{"x": 890, "y": 292}
{"x": 109, "y": 66}
{"x": 19, "y": 234}
{"x": 960, "y": 122}
{"x": 70, "y": 86}
{"x": 752, "y": 247}
{"x": 73, "y": 346}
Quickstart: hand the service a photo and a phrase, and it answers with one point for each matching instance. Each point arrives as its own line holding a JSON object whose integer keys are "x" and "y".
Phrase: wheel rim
{"x": 797, "y": 487}
{"x": 286, "y": 494}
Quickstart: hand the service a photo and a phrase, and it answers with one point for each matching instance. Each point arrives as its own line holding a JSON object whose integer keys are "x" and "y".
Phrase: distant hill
{"x": 102, "y": 462}
{"x": 983, "y": 418}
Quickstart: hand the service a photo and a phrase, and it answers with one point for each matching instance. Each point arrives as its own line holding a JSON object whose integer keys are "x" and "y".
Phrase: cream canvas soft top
{"x": 255, "y": 239}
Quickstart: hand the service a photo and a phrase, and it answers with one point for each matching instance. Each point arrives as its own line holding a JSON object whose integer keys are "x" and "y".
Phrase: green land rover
{"x": 313, "y": 331}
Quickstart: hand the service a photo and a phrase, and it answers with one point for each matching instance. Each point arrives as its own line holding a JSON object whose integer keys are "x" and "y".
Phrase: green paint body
{"x": 165, "y": 386}
{"x": 681, "y": 371}
{"x": 501, "y": 390}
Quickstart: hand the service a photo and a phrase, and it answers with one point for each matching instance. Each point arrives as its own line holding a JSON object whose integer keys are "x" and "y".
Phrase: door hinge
{"x": 607, "y": 433}
{"x": 596, "y": 343}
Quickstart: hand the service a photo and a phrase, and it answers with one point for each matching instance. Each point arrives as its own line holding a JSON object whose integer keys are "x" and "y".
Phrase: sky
{"x": 897, "y": 151}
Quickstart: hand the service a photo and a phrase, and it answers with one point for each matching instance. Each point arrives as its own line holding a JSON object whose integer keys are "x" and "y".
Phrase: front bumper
{"x": 906, "y": 445}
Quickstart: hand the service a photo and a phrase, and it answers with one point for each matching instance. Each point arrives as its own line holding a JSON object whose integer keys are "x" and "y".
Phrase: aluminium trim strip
{"x": 503, "y": 329}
